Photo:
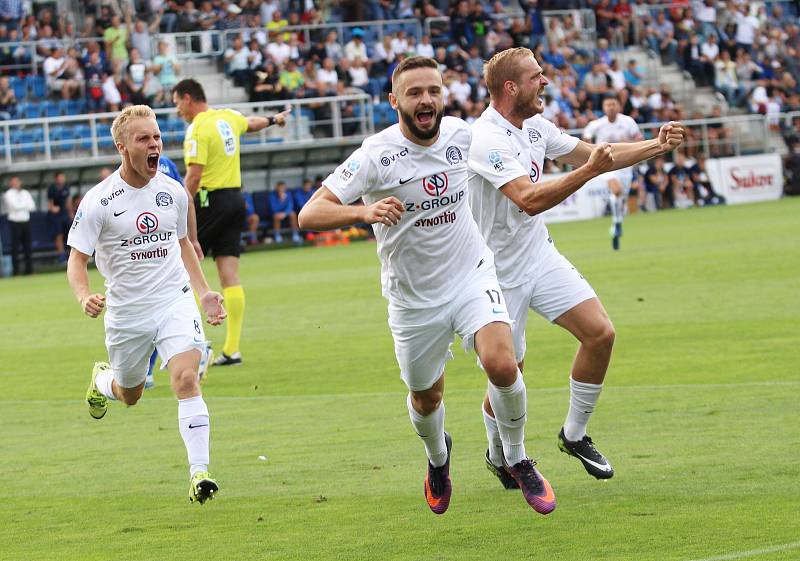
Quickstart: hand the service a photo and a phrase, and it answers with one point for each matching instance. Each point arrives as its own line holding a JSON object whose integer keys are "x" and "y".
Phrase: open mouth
{"x": 424, "y": 118}
{"x": 152, "y": 162}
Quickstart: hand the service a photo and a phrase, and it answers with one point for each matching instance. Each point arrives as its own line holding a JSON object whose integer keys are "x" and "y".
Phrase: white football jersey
{"x": 429, "y": 253}
{"x": 623, "y": 129}
{"x": 500, "y": 153}
{"x": 134, "y": 235}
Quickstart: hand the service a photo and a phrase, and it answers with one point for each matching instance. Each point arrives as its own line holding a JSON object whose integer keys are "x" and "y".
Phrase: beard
{"x": 408, "y": 119}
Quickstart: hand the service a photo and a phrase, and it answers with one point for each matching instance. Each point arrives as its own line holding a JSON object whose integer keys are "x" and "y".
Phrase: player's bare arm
{"x": 78, "y": 277}
{"x": 191, "y": 226}
{"x": 256, "y": 123}
{"x": 192, "y": 180}
{"x": 626, "y": 154}
{"x": 534, "y": 198}
{"x": 210, "y": 301}
{"x": 325, "y": 211}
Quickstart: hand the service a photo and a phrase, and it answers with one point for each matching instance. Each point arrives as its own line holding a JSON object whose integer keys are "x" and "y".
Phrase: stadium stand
{"x": 728, "y": 70}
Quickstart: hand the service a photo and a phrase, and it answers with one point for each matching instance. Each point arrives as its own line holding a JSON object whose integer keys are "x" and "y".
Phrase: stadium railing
{"x": 743, "y": 134}
{"x": 51, "y": 142}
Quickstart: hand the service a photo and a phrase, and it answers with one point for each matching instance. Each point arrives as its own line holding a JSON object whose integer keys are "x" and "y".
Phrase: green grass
{"x": 699, "y": 416}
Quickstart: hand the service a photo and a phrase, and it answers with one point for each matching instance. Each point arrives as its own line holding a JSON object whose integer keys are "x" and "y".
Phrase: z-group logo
{"x": 435, "y": 185}
{"x": 147, "y": 223}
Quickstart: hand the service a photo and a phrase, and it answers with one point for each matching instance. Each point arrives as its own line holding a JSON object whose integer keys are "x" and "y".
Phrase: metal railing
{"x": 60, "y": 139}
{"x": 731, "y": 136}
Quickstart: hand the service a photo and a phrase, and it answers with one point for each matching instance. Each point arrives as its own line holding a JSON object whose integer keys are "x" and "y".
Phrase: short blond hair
{"x": 119, "y": 128}
{"x": 502, "y": 67}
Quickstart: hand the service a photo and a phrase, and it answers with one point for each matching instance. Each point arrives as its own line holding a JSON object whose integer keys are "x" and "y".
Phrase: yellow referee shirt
{"x": 212, "y": 140}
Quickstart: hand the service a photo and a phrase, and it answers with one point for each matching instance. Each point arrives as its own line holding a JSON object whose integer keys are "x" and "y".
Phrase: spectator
{"x": 359, "y": 77}
{"x": 18, "y": 204}
{"x": 8, "y": 100}
{"x": 424, "y": 47}
{"x": 282, "y": 208}
{"x": 116, "y": 41}
{"x": 681, "y": 189}
{"x": 595, "y": 83}
{"x": 498, "y": 39}
{"x": 232, "y": 19}
{"x": 94, "y": 72}
{"x": 303, "y": 194}
{"x": 279, "y": 50}
{"x": 141, "y": 35}
{"x": 656, "y": 185}
{"x": 276, "y": 24}
{"x": 327, "y": 77}
{"x": 616, "y": 76}
{"x": 60, "y": 75}
{"x": 135, "y": 78}
{"x": 726, "y": 81}
{"x": 706, "y": 14}
{"x": 291, "y": 79}
{"x": 59, "y": 217}
{"x": 237, "y": 64}
{"x": 332, "y": 47}
{"x": 400, "y": 43}
{"x": 111, "y": 94}
{"x": 704, "y": 193}
{"x": 252, "y": 219}
{"x": 660, "y": 37}
{"x": 356, "y": 48}
{"x": 461, "y": 90}
{"x": 633, "y": 74}
{"x": 267, "y": 86}
{"x": 746, "y": 28}
{"x": 166, "y": 67}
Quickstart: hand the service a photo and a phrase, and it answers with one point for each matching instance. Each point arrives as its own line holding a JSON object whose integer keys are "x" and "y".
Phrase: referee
{"x": 211, "y": 153}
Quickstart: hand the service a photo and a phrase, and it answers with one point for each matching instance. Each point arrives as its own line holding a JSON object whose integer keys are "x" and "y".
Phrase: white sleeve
{"x": 633, "y": 130}
{"x": 352, "y": 179}
{"x": 492, "y": 157}
{"x": 182, "y": 203}
{"x": 86, "y": 226}
{"x": 558, "y": 143}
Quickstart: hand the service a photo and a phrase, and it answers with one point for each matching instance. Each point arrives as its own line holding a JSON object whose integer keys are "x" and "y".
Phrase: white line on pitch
{"x": 752, "y": 552}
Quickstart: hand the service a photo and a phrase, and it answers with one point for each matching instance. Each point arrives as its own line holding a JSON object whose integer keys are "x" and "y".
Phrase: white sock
{"x": 582, "y": 401}
{"x": 510, "y": 407}
{"x": 493, "y": 436}
{"x": 193, "y": 423}
{"x": 103, "y": 382}
{"x": 430, "y": 429}
{"x": 617, "y": 210}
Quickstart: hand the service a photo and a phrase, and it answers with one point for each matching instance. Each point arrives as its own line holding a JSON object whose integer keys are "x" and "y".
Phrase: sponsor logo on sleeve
{"x": 77, "y": 219}
{"x": 350, "y": 169}
{"x": 453, "y": 155}
{"x": 163, "y": 199}
{"x": 496, "y": 160}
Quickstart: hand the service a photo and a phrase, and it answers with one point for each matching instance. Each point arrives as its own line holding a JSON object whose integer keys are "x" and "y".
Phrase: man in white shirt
{"x": 279, "y": 50}
{"x": 356, "y": 48}
{"x": 424, "y": 47}
{"x": 614, "y": 127}
{"x": 436, "y": 270}
{"x": 18, "y": 204}
{"x": 461, "y": 90}
{"x": 135, "y": 224}
{"x": 507, "y": 196}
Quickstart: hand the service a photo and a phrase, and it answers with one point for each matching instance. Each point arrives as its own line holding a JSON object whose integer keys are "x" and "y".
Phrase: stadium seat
{"x": 37, "y": 86}
{"x": 20, "y": 87}
{"x": 261, "y": 207}
{"x": 52, "y": 109}
{"x": 83, "y": 133}
{"x": 29, "y": 110}
{"x": 62, "y": 138}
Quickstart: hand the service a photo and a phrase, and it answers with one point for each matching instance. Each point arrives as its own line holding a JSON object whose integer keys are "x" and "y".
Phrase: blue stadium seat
{"x": 104, "y": 140}
{"x": 52, "y": 109}
{"x": 62, "y": 138}
{"x": 37, "y": 85}
{"x": 27, "y": 141}
{"x": 29, "y": 110}
{"x": 261, "y": 207}
{"x": 20, "y": 87}
{"x": 83, "y": 133}
{"x": 74, "y": 106}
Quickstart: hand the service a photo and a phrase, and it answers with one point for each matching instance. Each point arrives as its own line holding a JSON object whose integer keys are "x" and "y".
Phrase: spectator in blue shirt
{"x": 253, "y": 219}
{"x": 303, "y": 194}
{"x": 282, "y": 208}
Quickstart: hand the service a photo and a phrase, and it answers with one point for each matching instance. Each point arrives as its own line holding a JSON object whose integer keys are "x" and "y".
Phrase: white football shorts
{"x": 554, "y": 289}
{"x": 171, "y": 331}
{"x": 423, "y": 336}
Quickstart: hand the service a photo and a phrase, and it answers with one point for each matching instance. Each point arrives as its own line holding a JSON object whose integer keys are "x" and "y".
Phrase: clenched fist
{"x": 601, "y": 159}
{"x": 386, "y": 211}
{"x": 671, "y": 135}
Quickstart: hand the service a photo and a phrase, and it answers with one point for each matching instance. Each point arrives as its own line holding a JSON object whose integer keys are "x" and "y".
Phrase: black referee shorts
{"x": 219, "y": 224}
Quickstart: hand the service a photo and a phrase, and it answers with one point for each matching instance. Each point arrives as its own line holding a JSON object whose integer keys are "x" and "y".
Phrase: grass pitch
{"x": 699, "y": 417}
